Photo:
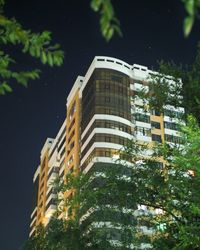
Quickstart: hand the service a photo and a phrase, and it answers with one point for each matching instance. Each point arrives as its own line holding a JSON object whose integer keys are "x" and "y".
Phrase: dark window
{"x": 107, "y": 85}
{"x": 173, "y": 114}
{"x": 171, "y": 125}
{"x": 174, "y": 139}
{"x": 108, "y": 139}
{"x": 157, "y": 164}
{"x": 58, "y": 141}
{"x": 71, "y": 145}
{"x": 62, "y": 152}
{"x": 155, "y": 125}
{"x": 99, "y": 152}
{"x": 106, "y": 92}
{"x": 71, "y": 170}
{"x": 71, "y": 125}
{"x": 142, "y": 118}
{"x": 71, "y": 135}
{"x": 61, "y": 144}
{"x": 143, "y": 131}
{"x": 107, "y": 124}
{"x": 53, "y": 201}
{"x": 107, "y": 99}
{"x": 105, "y": 138}
{"x": 72, "y": 110}
{"x": 156, "y": 138}
{"x": 53, "y": 170}
{"x": 155, "y": 112}
{"x": 107, "y": 154}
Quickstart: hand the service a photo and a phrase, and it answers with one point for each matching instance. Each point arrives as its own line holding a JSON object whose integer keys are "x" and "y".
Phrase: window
{"x": 156, "y": 138}
{"x": 116, "y": 78}
{"x": 155, "y": 112}
{"x": 108, "y": 139}
{"x": 173, "y": 114}
{"x": 143, "y": 131}
{"x": 71, "y": 170}
{"x": 171, "y": 125}
{"x": 142, "y": 117}
{"x": 51, "y": 202}
{"x": 70, "y": 160}
{"x": 157, "y": 164}
{"x": 155, "y": 125}
{"x": 71, "y": 135}
{"x": 120, "y": 89}
{"x": 62, "y": 152}
{"x": 72, "y": 111}
{"x": 71, "y": 146}
{"x": 107, "y": 124}
{"x": 107, "y": 154}
{"x": 71, "y": 125}
{"x": 174, "y": 139}
{"x": 105, "y": 138}
{"x": 61, "y": 144}
{"x": 121, "y": 101}
{"x": 107, "y": 85}
{"x": 53, "y": 170}
{"x": 107, "y": 99}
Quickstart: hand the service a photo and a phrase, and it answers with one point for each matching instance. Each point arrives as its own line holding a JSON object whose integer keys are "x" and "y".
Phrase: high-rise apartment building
{"x": 101, "y": 117}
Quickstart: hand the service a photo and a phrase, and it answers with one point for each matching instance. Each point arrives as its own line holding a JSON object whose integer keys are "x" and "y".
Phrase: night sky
{"x": 152, "y": 31}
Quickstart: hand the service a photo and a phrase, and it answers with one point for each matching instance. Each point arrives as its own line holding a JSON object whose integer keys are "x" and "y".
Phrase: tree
{"x": 184, "y": 92}
{"x": 154, "y": 201}
{"x": 101, "y": 197}
{"x": 110, "y": 25}
{"x": 58, "y": 235}
{"x": 192, "y": 9}
{"x": 38, "y": 45}
{"x": 172, "y": 190}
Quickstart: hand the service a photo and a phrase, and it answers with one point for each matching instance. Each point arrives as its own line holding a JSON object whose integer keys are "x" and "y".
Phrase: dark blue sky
{"x": 152, "y": 31}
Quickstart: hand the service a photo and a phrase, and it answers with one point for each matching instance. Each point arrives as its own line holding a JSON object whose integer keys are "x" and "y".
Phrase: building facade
{"x": 102, "y": 116}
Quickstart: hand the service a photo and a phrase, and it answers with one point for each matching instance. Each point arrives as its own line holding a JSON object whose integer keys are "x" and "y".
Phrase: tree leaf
{"x": 32, "y": 51}
{"x": 50, "y": 59}
{"x": 108, "y": 9}
{"x": 187, "y": 26}
{"x": 7, "y": 87}
{"x": 190, "y": 7}
{"x": 109, "y": 34}
{"x": 43, "y": 57}
{"x": 96, "y": 4}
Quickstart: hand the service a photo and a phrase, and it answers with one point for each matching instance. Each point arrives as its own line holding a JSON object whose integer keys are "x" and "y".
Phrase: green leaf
{"x": 197, "y": 3}
{"x": 187, "y": 26}
{"x": 12, "y": 38}
{"x": 32, "y": 51}
{"x": 190, "y": 7}
{"x": 38, "y": 45}
{"x": 4, "y": 87}
{"x": 2, "y": 2}
{"x": 50, "y": 59}
{"x": 58, "y": 57}
{"x": 37, "y": 52}
{"x": 7, "y": 87}
{"x": 108, "y": 9}
{"x": 109, "y": 34}
{"x": 26, "y": 47}
{"x": 96, "y": 4}
{"x": 43, "y": 57}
